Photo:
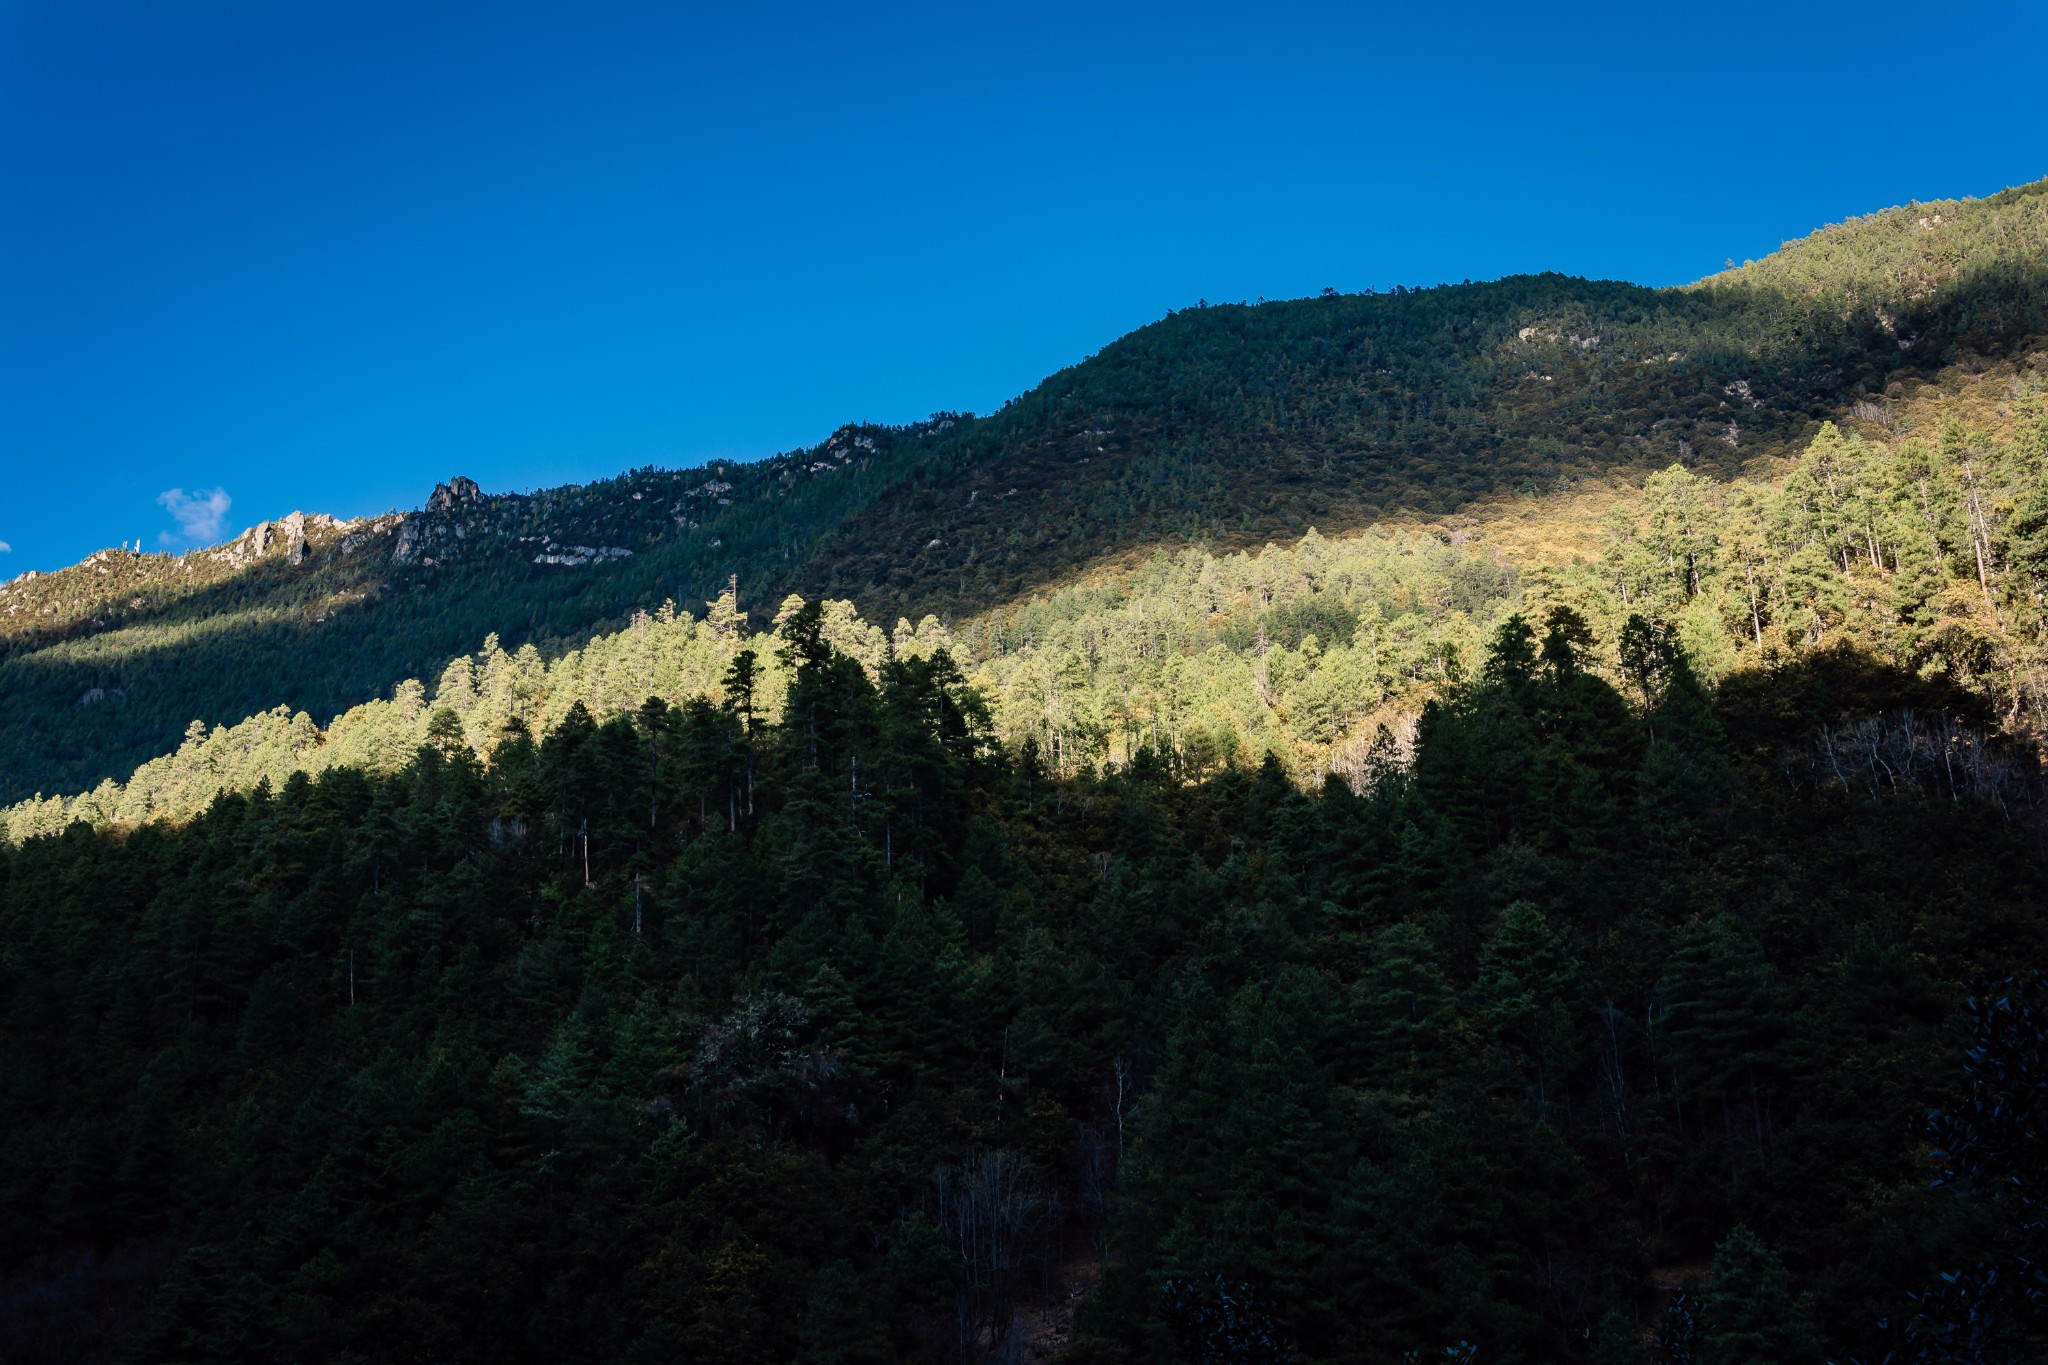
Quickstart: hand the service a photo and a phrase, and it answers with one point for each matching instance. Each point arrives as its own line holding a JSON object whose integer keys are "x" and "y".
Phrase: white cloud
{"x": 199, "y": 513}
{"x": 5, "y": 548}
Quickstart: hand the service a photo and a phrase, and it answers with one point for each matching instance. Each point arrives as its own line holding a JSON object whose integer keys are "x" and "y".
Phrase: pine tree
{"x": 1406, "y": 1010}
{"x": 1527, "y": 990}
{"x": 1729, "y": 1018}
{"x": 1752, "y": 1317}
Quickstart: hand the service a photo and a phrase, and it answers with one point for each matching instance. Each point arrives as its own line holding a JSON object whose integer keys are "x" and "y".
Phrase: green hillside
{"x": 1219, "y": 427}
{"x": 1360, "y": 830}
{"x": 1920, "y": 542}
{"x": 1215, "y": 428}
{"x": 105, "y": 664}
{"x": 1230, "y": 425}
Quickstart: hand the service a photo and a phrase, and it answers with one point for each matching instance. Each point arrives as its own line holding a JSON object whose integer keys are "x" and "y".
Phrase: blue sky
{"x": 321, "y": 256}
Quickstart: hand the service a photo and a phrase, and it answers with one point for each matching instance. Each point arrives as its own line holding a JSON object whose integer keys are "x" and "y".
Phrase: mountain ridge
{"x": 1217, "y": 426}
{"x": 1772, "y": 347}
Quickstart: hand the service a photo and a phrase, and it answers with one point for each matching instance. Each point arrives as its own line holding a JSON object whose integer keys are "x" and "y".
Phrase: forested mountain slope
{"x": 105, "y": 664}
{"x": 1590, "y": 915}
{"x": 848, "y": 1037}
{"x": 1918, "y": 537}
{"x": 1218, "y": 427}
{"x": 1232, "y": 424}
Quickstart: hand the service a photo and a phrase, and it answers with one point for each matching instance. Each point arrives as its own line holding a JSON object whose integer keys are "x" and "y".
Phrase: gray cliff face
{"x": 407, "y": 548}
{"x": 259, "y": 539}
{"x": 425, "y": 534}
{"x": 455, "y": 495}
{"x": 294, "y": 528}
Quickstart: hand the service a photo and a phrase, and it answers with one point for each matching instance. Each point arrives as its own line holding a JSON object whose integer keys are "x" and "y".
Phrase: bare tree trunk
{"x": 1980, "y": 538}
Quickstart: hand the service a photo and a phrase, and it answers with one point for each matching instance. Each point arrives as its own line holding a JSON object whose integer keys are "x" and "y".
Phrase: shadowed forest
{"x": 1608, "y": 1028}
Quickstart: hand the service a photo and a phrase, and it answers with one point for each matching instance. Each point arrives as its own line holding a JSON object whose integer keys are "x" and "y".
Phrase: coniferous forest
{"x": 1217, "y": 429}
{"x": 1610, "y": 1024}
{"x": 1495, "y": 823}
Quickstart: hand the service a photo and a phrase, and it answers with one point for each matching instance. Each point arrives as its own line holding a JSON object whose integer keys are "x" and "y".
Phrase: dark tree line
{"x": 853, "y": 1037}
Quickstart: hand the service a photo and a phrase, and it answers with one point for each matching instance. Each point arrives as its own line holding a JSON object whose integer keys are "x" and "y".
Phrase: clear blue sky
{"x": 321, "y": 256}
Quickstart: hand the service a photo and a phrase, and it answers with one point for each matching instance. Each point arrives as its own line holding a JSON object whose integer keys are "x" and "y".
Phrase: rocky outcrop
{"x": 425, "y": 533}
{"x": 258, "y": 540}
{"x": 407, "y": 547}
{"x": 458, "y": 494}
